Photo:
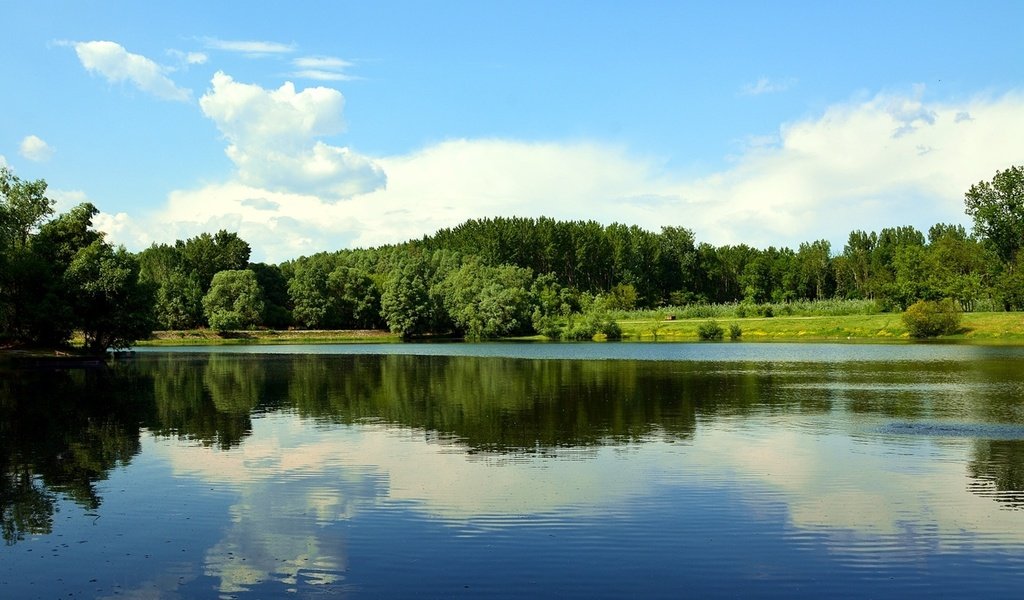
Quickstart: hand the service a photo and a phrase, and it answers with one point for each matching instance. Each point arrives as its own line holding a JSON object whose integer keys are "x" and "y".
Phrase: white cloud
{"x": 251, "y": 47}
{"x": 272, "y": 137}
{"x": 35, "y": 149}
{"x": 321, "y": 75}
{"x": 117, "y": 65}
{"x": 765, "y": 85}
{"x": 189, "y": 58}
{"x": 322, "y": 68}
{"x": 321, "y": 62}
{"x": 855, "y": 166}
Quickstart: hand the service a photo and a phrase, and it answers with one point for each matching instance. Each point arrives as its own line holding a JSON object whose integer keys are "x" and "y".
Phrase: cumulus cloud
{"x": 35, "y": 149}
{"x": 117, "y": 65}
{"x": 272, "y": 137}
{"x": 850, "y": 167}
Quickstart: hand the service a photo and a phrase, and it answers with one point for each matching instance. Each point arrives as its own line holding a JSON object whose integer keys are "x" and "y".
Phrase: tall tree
{"x": 234, "y": 300}
{"x": 23, "y": 208}
{"x": 997, "y": 208}
{"x": 112, "y": 308}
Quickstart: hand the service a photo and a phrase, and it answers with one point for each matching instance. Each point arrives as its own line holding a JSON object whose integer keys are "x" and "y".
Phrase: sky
{"x": 316, "y": 126}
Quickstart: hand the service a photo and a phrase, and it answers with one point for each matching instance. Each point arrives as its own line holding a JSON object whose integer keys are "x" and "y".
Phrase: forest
{"x": 484, "y": 278}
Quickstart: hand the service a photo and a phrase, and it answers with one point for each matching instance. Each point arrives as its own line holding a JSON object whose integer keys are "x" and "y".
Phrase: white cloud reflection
{"x": 835, "y": 483}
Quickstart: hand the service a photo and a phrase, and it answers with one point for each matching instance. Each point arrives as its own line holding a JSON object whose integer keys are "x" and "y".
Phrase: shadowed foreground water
{"x": 511, "y": 470}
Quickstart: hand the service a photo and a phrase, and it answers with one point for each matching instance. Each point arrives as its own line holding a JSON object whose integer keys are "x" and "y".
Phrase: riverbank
{"x": 209, "y": 337}
{"x": 991, "y": 327}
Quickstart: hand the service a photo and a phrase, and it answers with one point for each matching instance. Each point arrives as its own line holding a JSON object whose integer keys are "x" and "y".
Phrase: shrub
{"x": 611, "y": 329}
{"x": 927, "y": 318}
{"x": 735, "y": 332}
{"x": 710, "y": 330}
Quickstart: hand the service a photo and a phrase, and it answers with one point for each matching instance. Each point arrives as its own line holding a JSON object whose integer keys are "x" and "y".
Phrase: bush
{"x": 710, "y": 330}
{"x": 735, "y": 332}
{"x": 611, "y": 329}
{"x": 927, "y": 318}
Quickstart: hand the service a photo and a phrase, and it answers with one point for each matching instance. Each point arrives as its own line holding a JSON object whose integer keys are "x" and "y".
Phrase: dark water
{"x": 518, "y": 470}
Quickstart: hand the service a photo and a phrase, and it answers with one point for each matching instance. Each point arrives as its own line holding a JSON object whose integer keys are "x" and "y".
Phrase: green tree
{"x": 275, "y": 295}
{"x": 23, "y": 208}
{"x": 997, "y": 208}
{"x": 205, "y": 255}
{"x": 111, "y": 306}
{"x": 179, "y": 302}
{"x": 406, "y": 303}
{"x": 234, "y": 300}
{"x": 487, "y": 302}
{"x": 356, "y": 297}
{"x": 309, "y": 296}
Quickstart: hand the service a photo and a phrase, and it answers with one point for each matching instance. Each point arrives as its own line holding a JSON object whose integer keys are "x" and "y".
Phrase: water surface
{"x": 552, "y": 470}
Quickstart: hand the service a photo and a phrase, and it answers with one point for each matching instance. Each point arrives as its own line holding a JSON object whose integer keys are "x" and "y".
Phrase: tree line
{"x": 484, "y": 278}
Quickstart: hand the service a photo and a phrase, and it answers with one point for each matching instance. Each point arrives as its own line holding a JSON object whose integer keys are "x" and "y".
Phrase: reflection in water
{"x": 997, "y": 471}
{"x": 327, "y": 463}
{"x": 60, "y": 433}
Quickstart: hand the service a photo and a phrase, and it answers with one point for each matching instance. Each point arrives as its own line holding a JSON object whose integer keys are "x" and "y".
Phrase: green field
{"x": 995, "y": 327}
{"x": 988, "y": 327}
{"x": 209, "y": 337}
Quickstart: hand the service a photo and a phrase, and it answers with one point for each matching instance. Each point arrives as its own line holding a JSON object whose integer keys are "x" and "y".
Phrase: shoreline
{"x": 1003, "y": 328}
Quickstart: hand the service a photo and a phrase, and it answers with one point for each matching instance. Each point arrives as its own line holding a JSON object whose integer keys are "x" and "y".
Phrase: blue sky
{"x": 321, "y": 125}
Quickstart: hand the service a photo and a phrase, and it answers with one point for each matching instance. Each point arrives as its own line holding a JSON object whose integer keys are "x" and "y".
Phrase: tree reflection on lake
{"x": 305, "y": 451}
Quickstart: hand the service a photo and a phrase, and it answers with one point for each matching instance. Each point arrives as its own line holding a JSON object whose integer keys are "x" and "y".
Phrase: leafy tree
{"x": 406, "y": 303}
{"x": 486, "y": 302}
{"x": 111, "y": 307}
{"x": 356, "y": 297}
{"x": 23, "y": 208}
{"x": 308, "y": 293}
{"x": 997, "y": 208}
{"x": 179, "y": 302}
{"x": 622, "y": 296}
{"x": 274, "y": 286}
{"x": 205, "y": 255}
{"x": 234, "y": 300}
{"x": 858, "y": 263}
{"x": 42, "y": 304}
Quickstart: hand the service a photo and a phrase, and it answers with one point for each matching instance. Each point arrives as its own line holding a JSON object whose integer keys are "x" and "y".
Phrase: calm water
{"x": 518, "y": 470}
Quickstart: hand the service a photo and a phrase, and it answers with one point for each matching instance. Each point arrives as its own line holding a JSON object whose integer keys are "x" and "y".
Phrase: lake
{"x": 517, "y": 470}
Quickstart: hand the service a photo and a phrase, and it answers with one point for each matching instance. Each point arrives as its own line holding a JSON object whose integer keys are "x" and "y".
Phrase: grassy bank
{"x": 993, "y": 327}
{"x": 208, "y": 337}
{"x": 990, "y": 327}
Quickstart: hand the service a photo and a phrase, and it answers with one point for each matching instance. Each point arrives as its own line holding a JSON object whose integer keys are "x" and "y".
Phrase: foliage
{"x": 488, "y": 302}
{"x": 710, "y": 330}
{"x": 357, "y": 298}
{"x": 735, "y": 331}
{"x": 406, "y": 304}
{"x": 274, "y": 287}
{"x": 997, "y": 208}
{"x": 111, "y": 307}
{"x": 234, "y": 300}
{"x": 23, "y": 208}
{"x": 928, "y": 318}
{"x": 179, "y": 302}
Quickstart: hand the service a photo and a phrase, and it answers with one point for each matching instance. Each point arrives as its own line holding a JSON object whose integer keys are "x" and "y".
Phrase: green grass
{"x": 208, "y": 337}
{"x": 978, "y": 327}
